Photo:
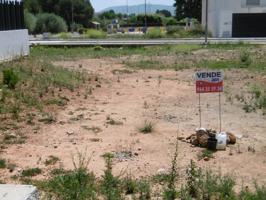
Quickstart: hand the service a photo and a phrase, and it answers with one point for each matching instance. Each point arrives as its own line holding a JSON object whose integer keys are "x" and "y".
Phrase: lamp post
{"x": 145, "y": 16}
{"x": 206, "y": 22}
{"x": 72, "y": 17}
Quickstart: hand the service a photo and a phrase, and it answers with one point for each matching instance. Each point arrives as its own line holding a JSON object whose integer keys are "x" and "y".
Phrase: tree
{"x": 165, "y": 13}
{"x": 188, "y": 8}
{"x": 82, "y": 9}
{"x": 108, "y": 15}
{"x": 32, "y": 6}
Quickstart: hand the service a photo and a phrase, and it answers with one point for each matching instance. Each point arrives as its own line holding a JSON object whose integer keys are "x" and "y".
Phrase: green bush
{"x": 2, "y": 163}
{"x": 64, "y": 35}
{"x": 153, "y": 33}
{"x": 95, "y": 34}
{"x": 48, "y": 22}
{"x": 10, "y": 78}
{"x": 110, "y": 185}
{"x": 30, "y": 21}
{"x": 74, "y": 185}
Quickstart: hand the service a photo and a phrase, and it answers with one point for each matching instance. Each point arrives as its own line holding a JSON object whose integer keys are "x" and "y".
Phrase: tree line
{"x": 65, "y": 15}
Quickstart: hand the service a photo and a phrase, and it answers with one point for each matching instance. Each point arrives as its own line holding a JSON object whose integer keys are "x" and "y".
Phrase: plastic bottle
{"x": 221, "y": 141}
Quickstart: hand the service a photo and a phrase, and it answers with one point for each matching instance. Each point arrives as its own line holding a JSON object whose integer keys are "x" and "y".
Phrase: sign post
{"x": 210, "y": 82}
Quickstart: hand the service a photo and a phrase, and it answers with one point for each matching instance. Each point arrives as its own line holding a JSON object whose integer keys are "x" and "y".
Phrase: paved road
{"x": 143, "y": 42}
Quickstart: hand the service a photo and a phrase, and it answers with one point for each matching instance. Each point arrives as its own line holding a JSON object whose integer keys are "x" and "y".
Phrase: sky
{"x": 102, "y": 4}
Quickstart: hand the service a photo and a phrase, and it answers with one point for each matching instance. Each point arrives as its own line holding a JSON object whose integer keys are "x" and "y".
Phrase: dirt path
{"x": 166, "y": 98}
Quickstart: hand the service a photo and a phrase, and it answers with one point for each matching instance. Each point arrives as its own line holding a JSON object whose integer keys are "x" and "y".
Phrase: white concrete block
{"x": 18, "y": 192}
{"x": 13, "y": 44}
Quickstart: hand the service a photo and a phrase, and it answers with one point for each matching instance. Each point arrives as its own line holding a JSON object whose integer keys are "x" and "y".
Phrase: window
{"x": 253, "y": 2}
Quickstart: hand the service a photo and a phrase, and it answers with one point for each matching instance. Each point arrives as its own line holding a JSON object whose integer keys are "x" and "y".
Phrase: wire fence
{"x": 11, "y": 15}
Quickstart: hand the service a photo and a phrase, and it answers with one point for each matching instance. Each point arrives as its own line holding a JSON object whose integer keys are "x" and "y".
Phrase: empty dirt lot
{"x": 106, "y": 115}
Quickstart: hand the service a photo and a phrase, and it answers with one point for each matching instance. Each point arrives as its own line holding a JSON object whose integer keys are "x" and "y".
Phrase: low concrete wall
{"x": 18, "y": 192}
{"x": 13, "y": 44}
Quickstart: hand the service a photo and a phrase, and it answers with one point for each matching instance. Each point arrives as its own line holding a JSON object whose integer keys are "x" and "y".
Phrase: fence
{"x": 11, "y": 15}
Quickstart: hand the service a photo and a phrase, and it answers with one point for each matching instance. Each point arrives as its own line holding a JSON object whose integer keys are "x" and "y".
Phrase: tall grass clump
{"x": 78, "y": 184}
{"x": 10, "y": 78}
{"x": 95, "y": 34}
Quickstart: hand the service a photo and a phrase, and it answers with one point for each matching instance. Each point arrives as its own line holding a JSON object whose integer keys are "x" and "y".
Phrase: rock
{"x": 231, "y": 138}
{"x": 180, "y": 138}
{"x": 70, "y": 132}
{"x": 161, "y": 171}
{"x": 184, "y": 140}
{"x": 206, "y": 158}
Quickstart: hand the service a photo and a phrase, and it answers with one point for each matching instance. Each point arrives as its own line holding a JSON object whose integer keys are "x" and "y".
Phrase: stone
{"x": 180, "y": 138}
{"x": 161, "y": 171}
{"x": 206, "y": 158}
{"x": 70, "y": 132}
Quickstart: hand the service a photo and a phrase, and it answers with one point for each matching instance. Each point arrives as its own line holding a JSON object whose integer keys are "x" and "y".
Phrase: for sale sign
{"x": 208, "y": 82}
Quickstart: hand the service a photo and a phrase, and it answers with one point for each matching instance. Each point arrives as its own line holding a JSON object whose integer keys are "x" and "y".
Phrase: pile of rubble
{"x": 203, "y": 136}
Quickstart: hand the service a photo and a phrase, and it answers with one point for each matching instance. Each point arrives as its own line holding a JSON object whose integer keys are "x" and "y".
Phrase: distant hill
{"x": 140, "y": 9}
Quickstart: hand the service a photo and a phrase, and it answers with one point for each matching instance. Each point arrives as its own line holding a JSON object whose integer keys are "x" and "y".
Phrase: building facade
{"x": 235, "y": 18}
{"x": 14, "y": 39}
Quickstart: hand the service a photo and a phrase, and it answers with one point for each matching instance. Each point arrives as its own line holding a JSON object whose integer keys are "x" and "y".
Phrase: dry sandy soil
{"x": 168, "y": 99}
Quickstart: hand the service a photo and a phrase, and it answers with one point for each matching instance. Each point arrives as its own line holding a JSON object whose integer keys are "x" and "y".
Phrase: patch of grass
{"x": 148, "y": 127}
{"x": 2, "y": 163}
{"x": 31, "y": 172}
{"x": 95, "y": 34}
{"x": 205, "y": 153}
{"x": 207, "y": 185}
{"x": 29, "y": 84}
{"x": 144, "y": 190}
{"x": 73, "y": 185}
{"x": 51, "y": 160}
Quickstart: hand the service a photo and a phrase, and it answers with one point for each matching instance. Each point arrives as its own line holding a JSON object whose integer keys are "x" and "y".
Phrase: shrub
{"x": 207, "y": 185}
{"x": 2, "y": 163}
{"x": 110, "y": 186}
{"x": 153, "y": 33}
{"x": 31, "y": 172}
{"x": 95, "y": 34}
{"x": 74, "y": 185}
{"x": 10, "y": 78}
{"x": 30, "y": 21}
{"x": 64, "y": 35}
{"x": 245, "y": 59}
{"x": 48, "y": 22}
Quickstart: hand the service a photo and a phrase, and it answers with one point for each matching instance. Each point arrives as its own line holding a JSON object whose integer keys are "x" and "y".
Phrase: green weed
{"x": 2, "y": 163}
{"x": 148, "y": 127}
{"x": 31, "y": 172}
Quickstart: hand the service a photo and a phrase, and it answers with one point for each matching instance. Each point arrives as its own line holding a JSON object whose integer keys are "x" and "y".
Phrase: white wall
{"x": 221, "y": 12}
{"x": 13, "y": 44}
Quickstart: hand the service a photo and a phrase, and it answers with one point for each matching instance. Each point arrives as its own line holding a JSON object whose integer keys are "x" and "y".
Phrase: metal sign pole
{"x": 220, "y": 112}
{"x": 200, "y": 110}
{"x": 206, "y": 21}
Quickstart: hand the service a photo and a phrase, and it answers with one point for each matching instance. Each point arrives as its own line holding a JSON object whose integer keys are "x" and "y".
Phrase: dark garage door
{"x": 249, "y": 25}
